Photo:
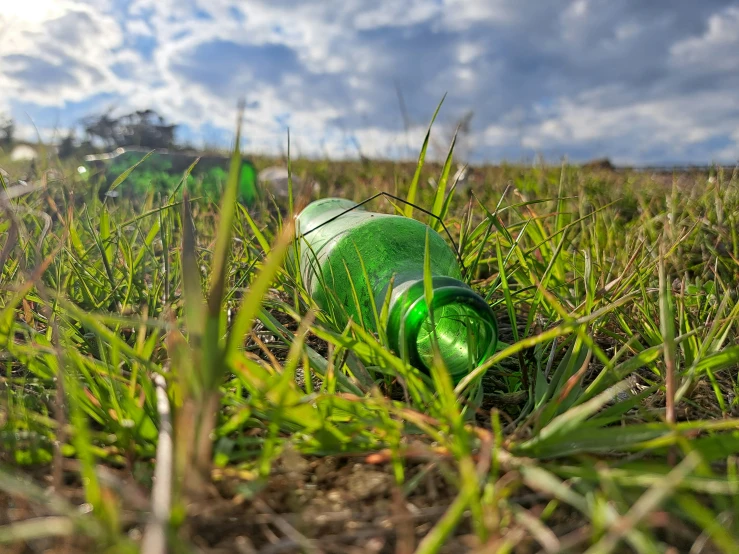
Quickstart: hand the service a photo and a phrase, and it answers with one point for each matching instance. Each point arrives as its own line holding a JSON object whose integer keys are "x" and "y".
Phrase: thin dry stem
{"x": 155, "y": 536}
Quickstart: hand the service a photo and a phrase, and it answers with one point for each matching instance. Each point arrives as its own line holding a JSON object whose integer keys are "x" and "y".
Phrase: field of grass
{"x": 166, "y": 380}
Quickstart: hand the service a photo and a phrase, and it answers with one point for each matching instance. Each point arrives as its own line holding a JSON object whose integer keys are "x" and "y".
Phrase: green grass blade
{"x": 413, "y": 189}
{"x": 123, "y": 176}
{"x": 438, "y": 205}
{"x": 251, "y": 303}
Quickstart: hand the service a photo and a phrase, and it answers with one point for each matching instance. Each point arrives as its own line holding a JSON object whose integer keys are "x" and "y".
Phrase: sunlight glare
{"x": 32, "y": 11}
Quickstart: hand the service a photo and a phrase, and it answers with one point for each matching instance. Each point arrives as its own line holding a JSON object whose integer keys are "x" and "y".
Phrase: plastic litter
{"x": 334, "y": 234}
{"x": 164, "y": 169}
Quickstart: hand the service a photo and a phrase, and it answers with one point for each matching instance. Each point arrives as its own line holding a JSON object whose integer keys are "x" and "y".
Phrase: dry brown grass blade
{"x": 667, "y": 328}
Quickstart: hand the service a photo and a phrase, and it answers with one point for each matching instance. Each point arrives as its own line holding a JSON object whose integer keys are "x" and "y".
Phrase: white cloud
{"x": 57, "y": 54}
{"x": 468, "y": 52}
{"x": 397, "y": 14}
{"x": 139, "y": 27}
{"x": 717, "y": 48}
{"x": 459, "y": 14}
{"x": 31, "y": 12}
{"x": 671, "y": 124}
{"x": 579, "y": 8}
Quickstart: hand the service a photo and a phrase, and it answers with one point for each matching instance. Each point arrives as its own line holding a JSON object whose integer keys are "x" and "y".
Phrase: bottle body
{"x": 347, "y": 261}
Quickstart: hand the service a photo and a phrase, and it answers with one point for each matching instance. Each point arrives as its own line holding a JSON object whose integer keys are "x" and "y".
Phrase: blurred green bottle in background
{"x": 332, "y": 241}
{"x": 162, "y": 171}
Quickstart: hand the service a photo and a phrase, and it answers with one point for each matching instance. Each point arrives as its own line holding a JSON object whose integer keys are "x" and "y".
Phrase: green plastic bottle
{"x": 164, "y": 170}
{"x": 392, "y": 245}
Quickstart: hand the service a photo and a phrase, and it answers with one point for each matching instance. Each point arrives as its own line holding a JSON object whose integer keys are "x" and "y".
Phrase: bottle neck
{"x": 460, "y": 322}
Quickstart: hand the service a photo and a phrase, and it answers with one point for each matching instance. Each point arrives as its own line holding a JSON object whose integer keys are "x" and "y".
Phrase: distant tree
{"x": 146, "y": 128}
{"x": 7, "y": 131}
{"x": 101, "y": 128}
{"x": 140, "y": 128}
{"x": 67, "y": 146}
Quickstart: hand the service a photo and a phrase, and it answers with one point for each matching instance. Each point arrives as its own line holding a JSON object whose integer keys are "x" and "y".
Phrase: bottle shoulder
{"x": 401, "y": 239}
{"x": 386, "y": 244}
{"x": 334, "y": 224}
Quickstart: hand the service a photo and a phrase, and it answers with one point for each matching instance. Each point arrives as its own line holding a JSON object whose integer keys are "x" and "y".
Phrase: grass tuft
{"x": 170, "y": 337}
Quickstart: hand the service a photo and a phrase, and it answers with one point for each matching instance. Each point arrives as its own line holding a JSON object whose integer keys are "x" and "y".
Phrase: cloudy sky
{"x": 643, "y": 82}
